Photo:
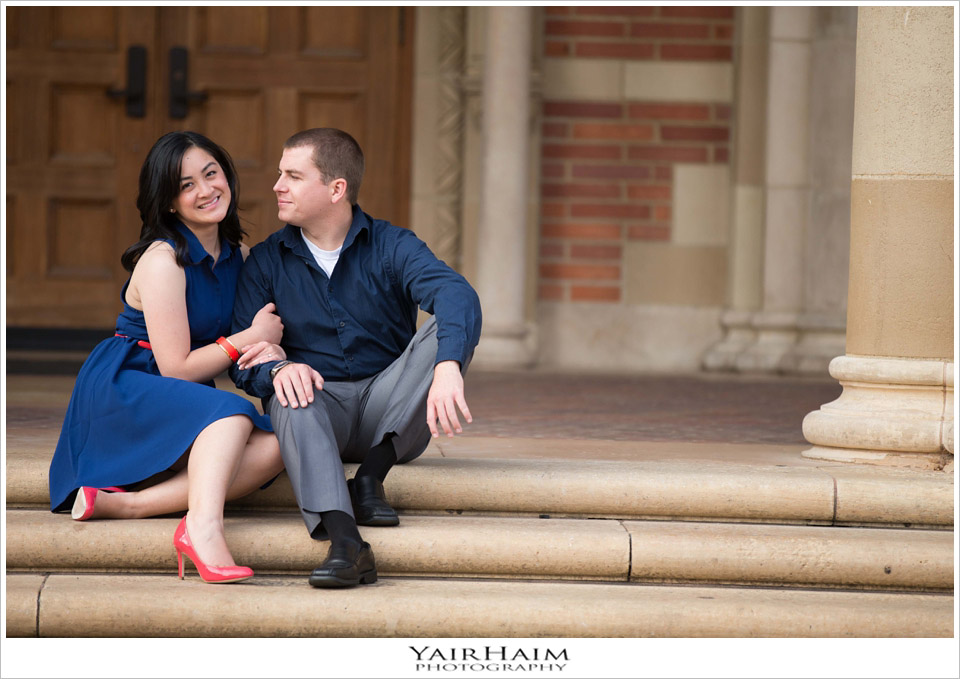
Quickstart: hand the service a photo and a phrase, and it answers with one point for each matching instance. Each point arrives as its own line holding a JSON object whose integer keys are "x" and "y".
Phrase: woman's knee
{"x": 232, "y": 423}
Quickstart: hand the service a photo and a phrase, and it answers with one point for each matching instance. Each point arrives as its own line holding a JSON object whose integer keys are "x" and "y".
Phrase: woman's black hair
{"x": 159, "y": 187}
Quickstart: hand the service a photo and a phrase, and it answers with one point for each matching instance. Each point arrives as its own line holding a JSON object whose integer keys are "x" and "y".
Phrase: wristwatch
{"x": 277, "y": 368}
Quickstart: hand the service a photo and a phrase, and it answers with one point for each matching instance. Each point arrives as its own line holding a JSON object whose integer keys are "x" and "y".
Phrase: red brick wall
{"x": 607, "y": 167}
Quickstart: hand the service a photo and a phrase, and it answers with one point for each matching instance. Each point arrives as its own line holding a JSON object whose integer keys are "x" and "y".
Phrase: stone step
{"x": 675, "y": 489}
{"x": 82, "y": 605}
{"x": 517, "y": 548}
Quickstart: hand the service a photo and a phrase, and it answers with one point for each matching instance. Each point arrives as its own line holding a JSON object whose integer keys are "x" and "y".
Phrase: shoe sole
{"x": 81, "y": 510}
{"x": 227, "y": 582}
{"x": 381, "y": 521}
{"x": 333, "y": 582}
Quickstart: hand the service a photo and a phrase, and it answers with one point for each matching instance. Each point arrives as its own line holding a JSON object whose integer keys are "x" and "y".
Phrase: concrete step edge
{"x": 580, "y": 549}
{"x": 703, "y": 490}
{"x": 71, "y": 605}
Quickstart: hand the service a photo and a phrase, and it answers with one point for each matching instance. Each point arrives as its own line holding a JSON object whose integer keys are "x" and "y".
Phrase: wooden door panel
{"x": 94, "y": 29}
{"x": 336, "y": 108}
{"x": 335, "y": 32}
{"x": 14, "y": 128}
{"x": 82, "y": 124}
{"x": 236, "y": 117}
{"x": 78, "y": 247}
{"x": 231, "y": 30}
{"x": 13, "y": 265}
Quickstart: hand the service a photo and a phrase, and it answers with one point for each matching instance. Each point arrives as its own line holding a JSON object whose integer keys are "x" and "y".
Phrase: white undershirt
{"x": 327, "y": 259}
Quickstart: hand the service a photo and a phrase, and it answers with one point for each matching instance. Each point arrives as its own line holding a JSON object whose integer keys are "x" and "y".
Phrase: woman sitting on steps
{"x": 144, "y": 401}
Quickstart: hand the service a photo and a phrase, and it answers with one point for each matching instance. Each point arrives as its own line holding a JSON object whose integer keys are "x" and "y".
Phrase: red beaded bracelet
{"x": 228, "y": 347}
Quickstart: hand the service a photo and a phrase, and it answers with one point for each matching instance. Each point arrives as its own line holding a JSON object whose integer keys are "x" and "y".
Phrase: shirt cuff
{"x": 451, "y": 350}
{"x": 262, "y": 385}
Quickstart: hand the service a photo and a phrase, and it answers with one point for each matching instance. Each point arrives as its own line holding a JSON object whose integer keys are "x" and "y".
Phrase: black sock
{"x": 340, "y": 526}
{"x": 379, "y": 460}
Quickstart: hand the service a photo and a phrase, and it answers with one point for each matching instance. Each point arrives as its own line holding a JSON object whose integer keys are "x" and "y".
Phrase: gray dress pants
{"x": 347, "y": 419}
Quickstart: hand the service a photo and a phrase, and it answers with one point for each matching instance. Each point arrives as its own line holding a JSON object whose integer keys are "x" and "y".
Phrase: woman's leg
{"x": 214, "y": 457}
{"x": 261, "y": 461}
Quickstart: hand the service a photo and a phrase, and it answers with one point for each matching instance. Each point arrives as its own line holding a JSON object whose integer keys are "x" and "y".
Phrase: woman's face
{"x": 204, "y": 197}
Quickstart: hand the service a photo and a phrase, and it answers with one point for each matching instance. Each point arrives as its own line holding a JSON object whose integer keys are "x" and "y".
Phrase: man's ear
{"x": 338, "y": 188}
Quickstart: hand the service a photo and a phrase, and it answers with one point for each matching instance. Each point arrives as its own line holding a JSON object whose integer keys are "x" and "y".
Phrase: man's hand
{"x": 294, "y": 385}
{"x": 446, "y": 390}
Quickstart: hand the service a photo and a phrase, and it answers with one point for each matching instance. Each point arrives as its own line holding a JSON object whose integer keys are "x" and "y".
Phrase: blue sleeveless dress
{"x": 126, "y": 422}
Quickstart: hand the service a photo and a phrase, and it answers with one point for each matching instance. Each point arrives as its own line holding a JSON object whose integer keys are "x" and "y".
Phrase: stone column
{"x": 787, "y": 188}
{"x": 897, "y": 376}
{"x": 822, "y": 322}
{"x": 438, "y": 131}
{"x": 745, "y": 280}
{"x": 502, "y": 236}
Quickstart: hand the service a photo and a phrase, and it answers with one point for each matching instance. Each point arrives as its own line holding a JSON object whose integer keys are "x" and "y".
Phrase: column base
{"x": 817, "y": 346}
{"x": 892, "y": 411}
{"x": 776, "y": 336}
{"x": 924, "y": 461}
{"x": 506, "y": 348}
{"x": 739, "y": 335}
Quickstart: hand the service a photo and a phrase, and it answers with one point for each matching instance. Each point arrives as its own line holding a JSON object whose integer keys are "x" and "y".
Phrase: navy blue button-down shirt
{"x": 356, "y": 322}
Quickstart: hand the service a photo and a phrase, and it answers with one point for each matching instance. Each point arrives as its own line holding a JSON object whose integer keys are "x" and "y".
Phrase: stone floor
{"x": 719, "y": 418}
{"x": 693, "y": 408}
{"x": 697, "y": 408}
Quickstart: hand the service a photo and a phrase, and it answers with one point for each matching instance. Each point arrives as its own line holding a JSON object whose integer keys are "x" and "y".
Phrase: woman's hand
{"x": 260, "y": 352}
{"x": 267, "y": 325}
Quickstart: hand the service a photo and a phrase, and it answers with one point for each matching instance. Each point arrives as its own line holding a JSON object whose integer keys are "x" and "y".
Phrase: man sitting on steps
{"x": 361, "y": 383}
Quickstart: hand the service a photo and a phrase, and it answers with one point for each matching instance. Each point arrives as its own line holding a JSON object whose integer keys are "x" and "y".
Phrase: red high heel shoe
{"x": 212, "y": 574}
{"x": 86, "y": 498}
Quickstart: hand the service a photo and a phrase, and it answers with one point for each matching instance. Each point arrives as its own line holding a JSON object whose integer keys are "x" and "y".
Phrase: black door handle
{"x": 180, "y": 96}
{"x": 136, "y": 92}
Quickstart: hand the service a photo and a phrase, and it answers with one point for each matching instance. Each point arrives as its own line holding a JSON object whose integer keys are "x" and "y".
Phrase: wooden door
{"x": 264, "y": 73}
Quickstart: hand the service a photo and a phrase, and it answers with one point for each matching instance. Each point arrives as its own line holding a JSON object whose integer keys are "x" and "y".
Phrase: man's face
{"x": 302, "y": 197}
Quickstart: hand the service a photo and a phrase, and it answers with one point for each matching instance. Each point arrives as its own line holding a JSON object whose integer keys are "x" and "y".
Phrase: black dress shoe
{"x": 347, "y": 564}
{"x": 369, "y": 503}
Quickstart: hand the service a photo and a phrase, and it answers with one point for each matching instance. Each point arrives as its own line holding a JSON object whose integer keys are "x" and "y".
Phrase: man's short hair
{"x": 335, "y": 153}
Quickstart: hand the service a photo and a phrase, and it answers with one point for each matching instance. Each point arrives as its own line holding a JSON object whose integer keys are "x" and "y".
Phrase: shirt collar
{"x": 292, "y": 238}
{"x": 196, "y": 251}
{"x": 361, "y": 222}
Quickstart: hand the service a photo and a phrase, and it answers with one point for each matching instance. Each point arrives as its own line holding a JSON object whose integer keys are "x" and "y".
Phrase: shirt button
{"x": 350, "y": 358}
{"x": 342, "y": 324}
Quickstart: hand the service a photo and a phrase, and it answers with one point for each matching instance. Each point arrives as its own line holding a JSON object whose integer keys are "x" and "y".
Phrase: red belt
{"x": 140, "y": 343}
